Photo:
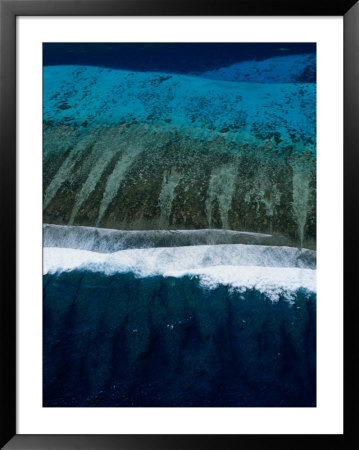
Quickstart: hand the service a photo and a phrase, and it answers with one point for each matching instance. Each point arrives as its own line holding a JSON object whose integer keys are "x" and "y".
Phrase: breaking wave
{"x": 198, "y": 325}
{"x": 273, "y": 271}
{"x": 105, "y": 240}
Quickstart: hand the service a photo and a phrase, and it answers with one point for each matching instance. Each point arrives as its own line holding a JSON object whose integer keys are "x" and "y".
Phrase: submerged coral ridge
{"x": 131, "y": 150}
{"x": 142, "y": 176}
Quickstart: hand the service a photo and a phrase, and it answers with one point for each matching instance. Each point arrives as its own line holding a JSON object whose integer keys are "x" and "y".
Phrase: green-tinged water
{"x": 141, "y": 177}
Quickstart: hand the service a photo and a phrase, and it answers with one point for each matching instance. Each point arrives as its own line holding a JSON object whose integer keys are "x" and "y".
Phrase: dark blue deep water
{"x": 124, "y": 341}
{"x": 167, "y": 57}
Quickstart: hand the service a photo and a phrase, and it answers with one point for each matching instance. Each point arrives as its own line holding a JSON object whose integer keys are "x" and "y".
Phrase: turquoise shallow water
{"x": 240, "y": 111}
{"x": 121, "y": 340}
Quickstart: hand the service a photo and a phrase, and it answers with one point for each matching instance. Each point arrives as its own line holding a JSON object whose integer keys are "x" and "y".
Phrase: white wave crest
{"x": 274, "y": 271}
{"x": 274, "y": 282}
{"x": 104, "y": 240}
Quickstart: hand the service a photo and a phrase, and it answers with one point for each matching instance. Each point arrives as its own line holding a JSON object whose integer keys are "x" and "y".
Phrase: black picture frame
{"x": 9, "y": 10}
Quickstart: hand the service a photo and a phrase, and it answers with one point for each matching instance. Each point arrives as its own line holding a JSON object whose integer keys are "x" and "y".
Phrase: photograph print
{"x": 179, "y": 224}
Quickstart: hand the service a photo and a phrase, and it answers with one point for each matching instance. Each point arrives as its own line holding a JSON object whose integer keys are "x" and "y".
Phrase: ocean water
{"x": 204, "y": 325}
{"x": 179, "y": 254}
{"x": 137, "y": 149}
{"x": 185, "y": 58}
{"x": 119, "y": 340}
{"x": 268, "y": 104}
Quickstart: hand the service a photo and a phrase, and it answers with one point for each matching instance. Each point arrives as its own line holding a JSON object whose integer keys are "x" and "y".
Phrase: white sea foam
{"x": 274, "y": 282}
{"x": 271, "y": 270}
{"x": 104, "y": 240}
